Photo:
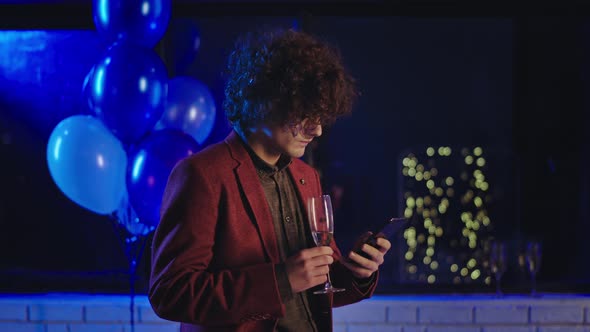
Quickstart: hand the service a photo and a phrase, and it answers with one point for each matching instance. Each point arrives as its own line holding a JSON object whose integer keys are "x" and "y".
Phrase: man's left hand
{"x": 362, "y": 267}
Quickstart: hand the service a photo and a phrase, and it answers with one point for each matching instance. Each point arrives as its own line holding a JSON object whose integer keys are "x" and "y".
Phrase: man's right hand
{"x": 309, "y": 268}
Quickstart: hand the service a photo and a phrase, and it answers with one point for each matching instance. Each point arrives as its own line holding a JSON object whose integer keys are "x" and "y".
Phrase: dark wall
{"x": 424, "y": 82}
{"x": 515, "y": 85}
{"x": 550, "y": 140}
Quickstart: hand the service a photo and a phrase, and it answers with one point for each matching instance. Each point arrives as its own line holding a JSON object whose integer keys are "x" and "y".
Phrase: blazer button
{"x": 302, "y": 181}
{"x": 287, "y": 219}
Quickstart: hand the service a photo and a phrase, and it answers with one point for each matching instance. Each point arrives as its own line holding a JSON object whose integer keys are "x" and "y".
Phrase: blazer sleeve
{"x": 342, "y": 276}
{"x": 182, "y": 287}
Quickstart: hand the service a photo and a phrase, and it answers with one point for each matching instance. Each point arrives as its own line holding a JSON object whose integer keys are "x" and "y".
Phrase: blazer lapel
{"x": 255, "y": 196}
{"x": 304, "y": 184}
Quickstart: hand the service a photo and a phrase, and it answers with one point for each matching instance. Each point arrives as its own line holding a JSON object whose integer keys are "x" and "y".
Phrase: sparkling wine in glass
{"x": 498, "y": 263}
{"x": 533, "y": 262}
{"x": 321, "y": 221}
{"x": 322, "y": 238}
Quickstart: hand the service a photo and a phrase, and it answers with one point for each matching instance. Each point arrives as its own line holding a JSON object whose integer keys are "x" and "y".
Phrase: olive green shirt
{"x": 293, "y": 235}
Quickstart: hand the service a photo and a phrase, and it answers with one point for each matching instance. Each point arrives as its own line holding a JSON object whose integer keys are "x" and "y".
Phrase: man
{"x": 233, "y": 250}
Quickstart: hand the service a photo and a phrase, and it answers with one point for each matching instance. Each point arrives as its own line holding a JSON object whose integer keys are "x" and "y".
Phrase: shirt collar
{"x": 264, "y": 168}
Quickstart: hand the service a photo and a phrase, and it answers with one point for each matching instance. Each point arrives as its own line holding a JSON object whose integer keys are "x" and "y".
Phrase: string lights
{"x": 446, "y": 195}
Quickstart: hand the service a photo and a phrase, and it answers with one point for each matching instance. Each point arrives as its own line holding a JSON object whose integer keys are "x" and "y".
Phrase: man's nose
{"x": 316, "y": 131}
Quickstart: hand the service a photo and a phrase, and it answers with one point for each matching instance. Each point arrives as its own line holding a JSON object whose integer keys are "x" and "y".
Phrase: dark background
{"x": 511, "y": 78}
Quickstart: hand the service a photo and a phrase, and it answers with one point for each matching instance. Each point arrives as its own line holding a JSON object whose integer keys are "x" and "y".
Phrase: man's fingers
{"x": 362, "y": 261}
{"x": 320, "y": 280}
{"x": 384, "y": 244}
{"x": 316, "y": 251}
{"x": 322, "y": 260}
{"x": 358, "y": 270}
{"x": 371, "y": 251}
{"x": 317, "y": 272}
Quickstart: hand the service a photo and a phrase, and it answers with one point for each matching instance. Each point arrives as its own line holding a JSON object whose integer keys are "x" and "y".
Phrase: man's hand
{"x": 309, "y": 268}
{"x": 362, "y": 267}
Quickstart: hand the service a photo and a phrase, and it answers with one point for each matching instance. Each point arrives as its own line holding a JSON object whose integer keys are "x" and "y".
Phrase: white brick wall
{"x": 452, "y": 313}
{"x": 445, "y": 313}
{"x": 502, "y": 314}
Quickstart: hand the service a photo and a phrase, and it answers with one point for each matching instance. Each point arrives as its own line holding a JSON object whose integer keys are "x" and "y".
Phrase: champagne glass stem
{"x": 328, "y": 284}
{"x": 533, "y": 284}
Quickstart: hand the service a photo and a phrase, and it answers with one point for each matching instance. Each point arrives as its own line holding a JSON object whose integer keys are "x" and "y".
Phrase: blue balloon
{"x": 142, "y": 22}
{"x": 87, "y": 163}
{"x": 128, "y": 90}
{"x": 190, "y": 108}
{"x": 149, "y": 167}
{"x": 128, "y": 218}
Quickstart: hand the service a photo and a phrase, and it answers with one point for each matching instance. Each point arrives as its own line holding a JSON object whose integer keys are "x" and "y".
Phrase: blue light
{"x": 158, "y": 8}
{"x": 138, "y": 166}
{"x": 103, "y": 13}
{"x": 156, "y": 92}
{"x": 145, "y": 8}
{"x": 56, "y": 148}
{"x": 15, "y": 60}
{"x": 143, "y": 84}
{"x": 99, "y": 78}
{"x": 42, "y": 74}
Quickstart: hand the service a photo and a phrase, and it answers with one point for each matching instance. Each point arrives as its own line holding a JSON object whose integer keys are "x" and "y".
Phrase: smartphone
{"x": 386, "y": 230}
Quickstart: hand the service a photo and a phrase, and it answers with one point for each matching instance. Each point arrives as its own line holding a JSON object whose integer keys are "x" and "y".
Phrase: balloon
{"x": 190, "y": 108}
{"x": 127, "y": 217}
{"x": 142, "y": 22}
{"x": 149, "y": 166}
{"x": 128, "y": 90}
{"x": 87, "y": 163}
{"x": 186, "y": 40}
{"x": 86, "y": 101}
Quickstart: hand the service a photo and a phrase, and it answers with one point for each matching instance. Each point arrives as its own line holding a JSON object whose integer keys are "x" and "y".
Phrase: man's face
{"x": 292, "y": 139}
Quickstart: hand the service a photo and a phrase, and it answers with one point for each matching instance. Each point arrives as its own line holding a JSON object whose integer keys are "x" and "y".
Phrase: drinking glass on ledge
{"x": 533, "y": 263}
{"x": 498, "y": 263}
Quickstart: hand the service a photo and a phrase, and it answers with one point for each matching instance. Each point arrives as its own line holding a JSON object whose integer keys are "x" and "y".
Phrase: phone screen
{"x": 391, "y": 227}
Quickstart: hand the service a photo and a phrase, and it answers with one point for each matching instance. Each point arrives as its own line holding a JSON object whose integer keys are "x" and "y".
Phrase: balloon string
{"x": 133, "y": 251}
{"x": 132, "y": 272}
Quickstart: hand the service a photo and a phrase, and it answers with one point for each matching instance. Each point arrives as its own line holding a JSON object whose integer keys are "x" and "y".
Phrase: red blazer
{"x": 215, "y": 248}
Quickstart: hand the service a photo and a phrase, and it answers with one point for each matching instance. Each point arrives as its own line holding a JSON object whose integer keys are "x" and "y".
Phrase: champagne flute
{"x": 498, "y": 263}
{"x": 533, "y": 260}
{"x": 321, "y": 221}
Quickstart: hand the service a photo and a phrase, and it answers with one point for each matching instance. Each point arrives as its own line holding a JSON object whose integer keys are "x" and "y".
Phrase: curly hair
{"x": 284, "y": 76}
